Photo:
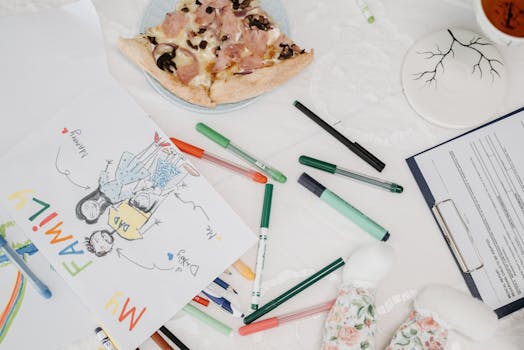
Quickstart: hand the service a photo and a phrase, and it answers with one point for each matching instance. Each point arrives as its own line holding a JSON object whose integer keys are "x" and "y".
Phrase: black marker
{"x": 353, "y": 146}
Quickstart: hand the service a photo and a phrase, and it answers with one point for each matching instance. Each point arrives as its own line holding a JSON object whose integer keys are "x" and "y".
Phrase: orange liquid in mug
{"x": 506, "y": 15}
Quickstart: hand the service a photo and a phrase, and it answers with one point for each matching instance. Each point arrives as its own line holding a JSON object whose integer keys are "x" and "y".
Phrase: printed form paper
{"x": 482, "y": 173}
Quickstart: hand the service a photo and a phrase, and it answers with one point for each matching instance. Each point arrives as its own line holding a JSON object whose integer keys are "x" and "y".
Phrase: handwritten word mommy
{"x": 81, "y": 148}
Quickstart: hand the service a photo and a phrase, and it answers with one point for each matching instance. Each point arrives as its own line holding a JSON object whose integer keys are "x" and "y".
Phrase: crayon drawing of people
{"x": 100, "y": 242}
{"x": 130, "y": 170}
{"x": 139, "y": 188}
{"x": 129, "y": 219}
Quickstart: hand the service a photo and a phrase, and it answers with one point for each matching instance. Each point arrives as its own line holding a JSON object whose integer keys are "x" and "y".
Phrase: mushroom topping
{"x": 164, "y": 55}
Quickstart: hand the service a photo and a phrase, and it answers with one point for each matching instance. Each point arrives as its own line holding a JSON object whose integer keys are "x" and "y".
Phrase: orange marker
{"x": 161, "y": 342}
{"x": 244, "y": 270}
{"x": 200, "y": 300}
{"x": 200, "y": 153}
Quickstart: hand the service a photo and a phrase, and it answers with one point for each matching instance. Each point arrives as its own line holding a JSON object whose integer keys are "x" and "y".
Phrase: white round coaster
{"x": 454, "y": 78}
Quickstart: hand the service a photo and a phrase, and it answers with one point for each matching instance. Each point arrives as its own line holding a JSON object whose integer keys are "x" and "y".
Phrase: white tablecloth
{"x": 355, "y": 78}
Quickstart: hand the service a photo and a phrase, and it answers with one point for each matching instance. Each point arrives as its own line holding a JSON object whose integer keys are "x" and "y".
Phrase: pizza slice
{"x": 217, "y": 51}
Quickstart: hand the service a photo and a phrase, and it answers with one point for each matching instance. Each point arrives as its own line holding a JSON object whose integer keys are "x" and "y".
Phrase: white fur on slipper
{"x": 369, "y": 264}
{"x": 457, "y": 310}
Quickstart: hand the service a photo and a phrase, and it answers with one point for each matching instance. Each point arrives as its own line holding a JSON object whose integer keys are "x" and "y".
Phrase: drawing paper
{"x": 51, "y": 323}
{"x": 122, "y": 216}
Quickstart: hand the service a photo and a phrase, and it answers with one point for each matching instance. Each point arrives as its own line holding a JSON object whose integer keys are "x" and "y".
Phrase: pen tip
{"x": 280, "y": 178}
{"x": 46, "y": 293}
{"x": 260, "y": 178}
{"x": 397, "y": 188}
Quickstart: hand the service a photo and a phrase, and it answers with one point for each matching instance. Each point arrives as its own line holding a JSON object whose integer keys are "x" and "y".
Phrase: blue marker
{"x": 21, "y": 265}
{"x": 220, "y": 282}
{"x": 28, "y": 249}
{"x": 225, "y": 304}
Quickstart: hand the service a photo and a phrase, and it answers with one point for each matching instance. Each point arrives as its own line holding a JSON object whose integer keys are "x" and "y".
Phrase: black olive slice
{"x": 152, "y": 40}
{"x": 287, "y": 52}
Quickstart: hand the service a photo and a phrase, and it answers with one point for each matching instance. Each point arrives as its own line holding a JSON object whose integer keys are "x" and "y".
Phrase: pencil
{"x": 173, "y": 338}
{"x": 354, "y": 147}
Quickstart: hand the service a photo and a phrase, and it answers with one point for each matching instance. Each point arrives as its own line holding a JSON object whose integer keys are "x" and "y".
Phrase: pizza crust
{"x": 138, "y": 51}
{"x": 236, "y": 88}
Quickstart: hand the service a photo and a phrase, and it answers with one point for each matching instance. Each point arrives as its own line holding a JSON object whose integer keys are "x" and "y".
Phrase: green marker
{"x": 282, "y": 298}
{"x": 364, "y": 8}
{"x": 333, "y": 169}
{"x": 344, "y": 207}
{"x": 227, "y": 144}
{"x": 262, "y": 244}
{"x": 210, "y": 321}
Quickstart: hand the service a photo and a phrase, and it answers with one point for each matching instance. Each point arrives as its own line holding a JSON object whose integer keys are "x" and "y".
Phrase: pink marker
{"x": 278, "y": 320}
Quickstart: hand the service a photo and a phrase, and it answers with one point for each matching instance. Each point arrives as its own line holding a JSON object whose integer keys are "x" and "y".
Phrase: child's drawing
{"x": 130, "y": 170}
{"x": 140, "y": 184}
{"x": 16, "y": 296}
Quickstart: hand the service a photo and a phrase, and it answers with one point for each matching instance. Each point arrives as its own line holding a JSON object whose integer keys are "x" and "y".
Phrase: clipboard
{"x": 446, "y": 211}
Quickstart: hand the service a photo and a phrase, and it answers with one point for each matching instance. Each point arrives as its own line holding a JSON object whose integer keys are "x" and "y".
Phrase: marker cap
{"x": 258, "y": 326}
{"x": 311, "y": 184}
{"x": 187, "y": 148}
{"x": 319, "y": 164}
{"x": 212, "y": 134}
{"x": 266, "y": 207}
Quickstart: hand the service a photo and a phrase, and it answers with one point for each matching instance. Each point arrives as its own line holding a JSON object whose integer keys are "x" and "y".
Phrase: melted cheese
{"x": 272, "y": 35}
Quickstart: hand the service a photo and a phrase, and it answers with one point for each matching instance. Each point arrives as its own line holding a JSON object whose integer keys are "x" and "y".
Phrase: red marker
{"x": 200, "y": 300}
{"x": 278, "y": 320}
{"x": 200, "y": 153}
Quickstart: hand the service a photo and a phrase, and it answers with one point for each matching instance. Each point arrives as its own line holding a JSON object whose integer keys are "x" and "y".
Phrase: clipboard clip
{"x": 448, "y": 235}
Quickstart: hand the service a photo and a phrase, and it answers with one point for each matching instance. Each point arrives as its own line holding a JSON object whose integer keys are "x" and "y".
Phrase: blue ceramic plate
{"x": 155, "y": 14}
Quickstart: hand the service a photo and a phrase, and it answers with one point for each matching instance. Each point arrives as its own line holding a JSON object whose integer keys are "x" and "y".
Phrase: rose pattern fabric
{"x": 351, "y": 322}
{"x": 351, "y": 325}
{"x": 419, "y": 332}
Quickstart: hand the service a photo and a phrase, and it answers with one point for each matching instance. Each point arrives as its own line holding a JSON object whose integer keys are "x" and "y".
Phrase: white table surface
{"x": 355, "y": 78}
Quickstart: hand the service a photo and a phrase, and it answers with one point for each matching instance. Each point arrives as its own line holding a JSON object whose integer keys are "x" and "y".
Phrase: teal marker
{"x": 344, "y": 207}
{"x": 227, "y": 144}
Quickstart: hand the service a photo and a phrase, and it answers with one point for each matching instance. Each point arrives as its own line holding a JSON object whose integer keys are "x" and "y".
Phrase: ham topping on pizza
{"x": 230, "y": 26}
{"x": 189, "y": 70}
{"x": 173, "y": 23}
{"x": 255, "y": 40}
{"x": 249, "y": 63}
{"x": 206, "y": 13}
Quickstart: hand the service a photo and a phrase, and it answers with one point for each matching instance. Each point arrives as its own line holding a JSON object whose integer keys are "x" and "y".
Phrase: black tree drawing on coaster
{"x": 474, "y": 44}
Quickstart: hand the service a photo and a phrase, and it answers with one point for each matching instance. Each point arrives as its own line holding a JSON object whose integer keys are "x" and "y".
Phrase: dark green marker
{"x": 282, "y": 298}
{"x": 332, "y": 168}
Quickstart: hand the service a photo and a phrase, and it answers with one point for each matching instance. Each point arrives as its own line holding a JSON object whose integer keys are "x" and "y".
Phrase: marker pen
{"x": 344, "y": 207}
